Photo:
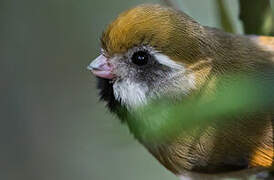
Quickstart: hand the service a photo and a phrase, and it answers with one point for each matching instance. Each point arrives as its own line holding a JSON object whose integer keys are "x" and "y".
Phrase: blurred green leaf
{"x": 162, "y": 119}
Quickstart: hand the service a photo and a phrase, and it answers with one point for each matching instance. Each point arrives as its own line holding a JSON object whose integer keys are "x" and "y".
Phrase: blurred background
{"x": 52, "y": 124}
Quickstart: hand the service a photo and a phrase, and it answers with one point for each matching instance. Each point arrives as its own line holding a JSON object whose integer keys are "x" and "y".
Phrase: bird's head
{"x": 149, "y": 52}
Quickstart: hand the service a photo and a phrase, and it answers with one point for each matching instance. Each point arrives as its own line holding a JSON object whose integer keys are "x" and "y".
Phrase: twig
{"x": 224, "y": 17}
{"x": 169, "y": 3}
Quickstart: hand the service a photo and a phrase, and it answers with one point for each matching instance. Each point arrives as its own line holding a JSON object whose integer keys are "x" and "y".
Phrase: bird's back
{"x": 266, "y": 42}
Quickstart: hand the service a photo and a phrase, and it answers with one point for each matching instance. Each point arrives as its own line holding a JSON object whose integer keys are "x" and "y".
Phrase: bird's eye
{"x": 140, "y": 58}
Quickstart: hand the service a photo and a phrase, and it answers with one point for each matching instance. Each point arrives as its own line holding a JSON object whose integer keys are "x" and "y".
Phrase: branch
{"x": 257, "y": 17}
{"x": 224, "y": 16}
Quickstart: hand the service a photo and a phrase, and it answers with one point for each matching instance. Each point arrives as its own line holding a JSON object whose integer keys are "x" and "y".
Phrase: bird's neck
{"x": 230, "y": 54}
{"x": 237, "y": 53}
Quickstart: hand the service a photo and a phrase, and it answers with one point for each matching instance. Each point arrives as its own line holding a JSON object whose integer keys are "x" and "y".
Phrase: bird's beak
{"x": 100, "y": 67}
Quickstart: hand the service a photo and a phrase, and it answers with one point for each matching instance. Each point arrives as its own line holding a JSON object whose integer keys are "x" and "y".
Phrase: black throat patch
{"x": 106, "y": 94}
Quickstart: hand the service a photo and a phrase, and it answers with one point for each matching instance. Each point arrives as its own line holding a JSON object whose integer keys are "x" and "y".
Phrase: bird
{"x": 151, "y": 51}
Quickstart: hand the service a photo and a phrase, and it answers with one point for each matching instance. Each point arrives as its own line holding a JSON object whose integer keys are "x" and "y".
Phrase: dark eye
{"x": 140, "y": 58}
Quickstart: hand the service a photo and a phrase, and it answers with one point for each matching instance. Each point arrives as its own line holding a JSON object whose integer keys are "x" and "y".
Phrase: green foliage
{"x": 162, "y": 120}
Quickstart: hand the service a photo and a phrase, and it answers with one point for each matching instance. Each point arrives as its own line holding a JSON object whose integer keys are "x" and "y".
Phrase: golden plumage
{"x": 162, "y": 28}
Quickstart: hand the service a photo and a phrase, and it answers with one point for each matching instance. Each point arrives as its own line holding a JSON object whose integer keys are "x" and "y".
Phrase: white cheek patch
{"x": 185, "y": 178}
{"x": 130, "y": 94}
{"x": 165, "y": 60}
{"x": 133, "y": 94}
{"x": 186, "y": 82}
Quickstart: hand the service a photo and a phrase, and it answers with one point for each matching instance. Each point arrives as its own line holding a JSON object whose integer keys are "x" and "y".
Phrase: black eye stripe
{"x": 140, "y": 58}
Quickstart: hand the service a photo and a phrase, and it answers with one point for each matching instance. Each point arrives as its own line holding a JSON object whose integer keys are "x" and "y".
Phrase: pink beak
{"x": 101, "y": 68}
